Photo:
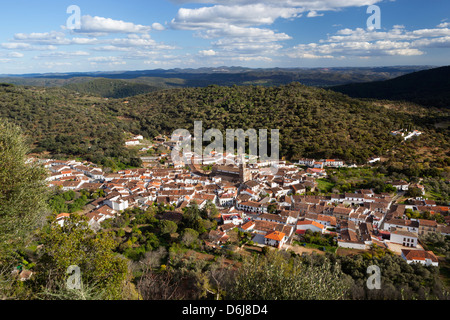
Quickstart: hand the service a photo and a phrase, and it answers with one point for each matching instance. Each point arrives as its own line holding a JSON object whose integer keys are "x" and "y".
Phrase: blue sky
{"x": 143, "y": 34}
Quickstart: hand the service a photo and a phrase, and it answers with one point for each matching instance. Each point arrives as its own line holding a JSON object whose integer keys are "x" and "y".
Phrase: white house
{"x": 426, "y": 258}
{"x": 96, "y": 173}
{"x": 401, "y": 185}
{"x": 314, "y": 226}
{"x": 101, "y": 214}
{"x": 412, "y": 134}
{"x": 61, "y": 217}
{"x": 306, "y": 162}
{"x": 275, "y": 239}
{"x": 332, "y": 163}
{"x": 405, "y": 238}
{"x": 117, "y": 203}
{"x": 133, "y": 142}
{"x": 251, "y": 206}
{"x": 408, "y": 225}
{"x": 234, "y": 218}
{"x": 226, "y": 200}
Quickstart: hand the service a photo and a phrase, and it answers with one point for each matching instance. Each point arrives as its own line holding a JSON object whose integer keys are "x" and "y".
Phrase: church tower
{"x": 244, "y": 173}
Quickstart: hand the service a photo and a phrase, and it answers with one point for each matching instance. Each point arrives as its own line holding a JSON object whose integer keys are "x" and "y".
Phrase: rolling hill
{"x": 313, "y": 122}
{"x": 111, "y": 88}
{"x": 429, "y": 88}
{"x": 129, "y": 83}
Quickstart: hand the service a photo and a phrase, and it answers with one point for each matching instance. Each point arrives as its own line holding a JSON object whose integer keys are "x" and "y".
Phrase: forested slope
{"x": 312, "y": 122}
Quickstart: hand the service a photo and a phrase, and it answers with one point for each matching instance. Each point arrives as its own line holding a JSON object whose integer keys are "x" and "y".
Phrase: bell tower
{"x": 244, "y": 172}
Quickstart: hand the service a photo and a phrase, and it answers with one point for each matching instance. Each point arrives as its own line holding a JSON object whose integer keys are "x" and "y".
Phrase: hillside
{"x": 313, "y": 122}
{"x": 129, "y": 83}
{"x": 61, "y": 122}
{"x": 428, "y": 88}
{"x": 111, "y": 88}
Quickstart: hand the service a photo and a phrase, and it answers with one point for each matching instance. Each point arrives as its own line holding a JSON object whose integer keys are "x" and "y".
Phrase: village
{"x": 276, "y": 210}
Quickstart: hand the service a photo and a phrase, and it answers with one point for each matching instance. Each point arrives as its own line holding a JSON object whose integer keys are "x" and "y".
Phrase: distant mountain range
{"x": 129, "y": 83}
{"x": 427, "y": 87}
{"x": 423, "y": 85}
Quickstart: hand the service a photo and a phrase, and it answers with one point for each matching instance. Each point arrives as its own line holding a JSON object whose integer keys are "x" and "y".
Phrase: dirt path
{"x": 300, "y": 250}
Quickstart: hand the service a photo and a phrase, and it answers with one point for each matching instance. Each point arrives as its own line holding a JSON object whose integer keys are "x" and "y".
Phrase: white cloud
{"x": 307, "y": 4}
{"x": 444, "y": 25}
{"x": 26, "y": 46}
{"x": 313, "y": 14}
{"x": 15, "y": 55}
{"x": 37, "y": 37}
{"x": 139, "y": 41}
{"x": 206, "y": 53}
{"x": 251, "y": 58}
{"x": 158, "y": 27}
{"x": 104, "y": 59}
{"x": 100, "y": 25}
{"x": 245, "y": 34}
{"x": 219, "y": 16}
{"x": 369, "y": 43}
{"x": 111, "y": 48}
{"x": 235, "y": 26}
{"x": 51, "y": 38}
{"x": 63, "y": 54}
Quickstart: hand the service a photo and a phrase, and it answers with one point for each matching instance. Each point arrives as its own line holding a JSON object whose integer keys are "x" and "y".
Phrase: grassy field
{"x": 324, "y": 185}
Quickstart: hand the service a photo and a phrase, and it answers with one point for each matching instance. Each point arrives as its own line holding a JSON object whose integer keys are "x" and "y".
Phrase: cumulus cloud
{"x": 26, "y": 46}
{"x": 158, "y": 26}
{"x": 100, "y": 25}
{"x": 240, "y": 27}
{"x": 363, "y": 43}
{"x": 313, "y": 14}
{"x": 245, "y": 34}
{"x": 307, "y": 4}
{"x": 63, "y": 54}
{"x": 221, "y": 16}
{"x": 444, "y": 25}
{"x": 206, "y": 53}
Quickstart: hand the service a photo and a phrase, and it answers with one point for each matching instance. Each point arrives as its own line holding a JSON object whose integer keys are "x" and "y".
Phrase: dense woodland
{"x": 313, "y": 122}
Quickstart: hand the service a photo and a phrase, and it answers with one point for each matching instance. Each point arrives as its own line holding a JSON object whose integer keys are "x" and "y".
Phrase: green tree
{"x": 189, "y": 236}
{"x": 276, "y": 277}
{"x": 75, "y": 243}
{"x": 23, "y": 190}
{"x": 168, "y": 227}
{"x": 414, "y": 192}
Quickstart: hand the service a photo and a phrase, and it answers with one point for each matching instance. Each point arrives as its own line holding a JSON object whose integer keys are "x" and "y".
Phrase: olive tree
{"x": 22, "y": 187}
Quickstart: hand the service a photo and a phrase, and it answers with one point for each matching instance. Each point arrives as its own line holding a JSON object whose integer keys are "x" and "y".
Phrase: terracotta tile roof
{"x": 419, "y": 255}
{"x": 314, "y": 223}
{"x": 275, "y": 235}
{"x": 428, "y": 223}
{"x": 248, "y": 225}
